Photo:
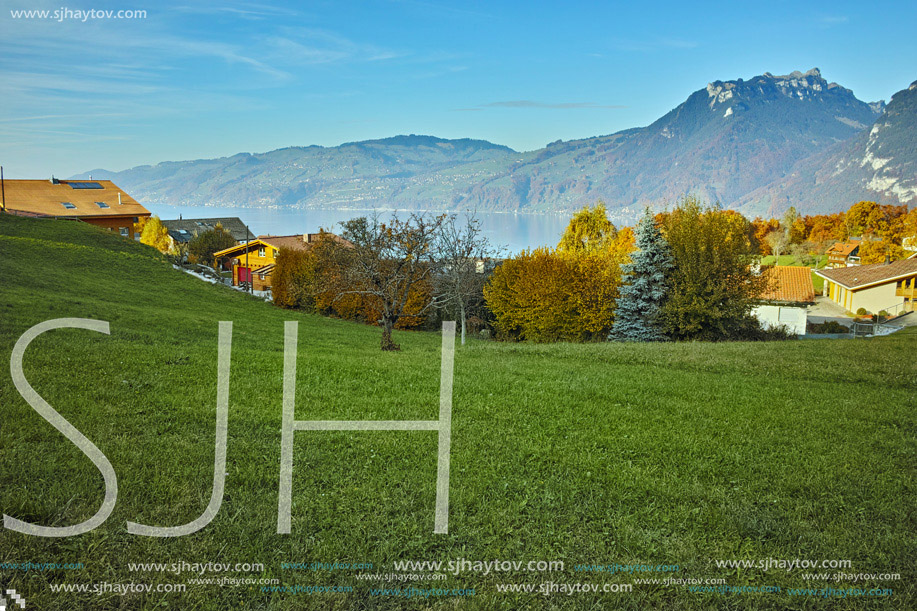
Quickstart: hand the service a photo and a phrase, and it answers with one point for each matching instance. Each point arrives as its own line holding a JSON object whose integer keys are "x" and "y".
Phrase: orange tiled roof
{"x": 46, "y": 198}
{"x": 843, "y": 249}
{"x": 860, "y": 276}
{"x": 788, "y": 284}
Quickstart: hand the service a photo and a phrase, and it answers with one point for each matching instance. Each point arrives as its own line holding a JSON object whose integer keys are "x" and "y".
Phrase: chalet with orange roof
{"x": 844, "y": 254}
{"x": 786, "y": 300}
{"x": 97, "y": 202}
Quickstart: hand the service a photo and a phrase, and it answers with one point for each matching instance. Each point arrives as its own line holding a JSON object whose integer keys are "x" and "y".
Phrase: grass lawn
{"x": 669, "y": 454}
{"x": 792, "y": 260}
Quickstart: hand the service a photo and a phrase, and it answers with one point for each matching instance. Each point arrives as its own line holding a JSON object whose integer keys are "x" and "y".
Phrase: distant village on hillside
{"x": 815, "y": 285}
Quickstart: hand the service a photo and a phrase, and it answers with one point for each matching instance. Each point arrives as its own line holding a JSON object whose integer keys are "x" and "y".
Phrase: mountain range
{"x": 757, "y": 145}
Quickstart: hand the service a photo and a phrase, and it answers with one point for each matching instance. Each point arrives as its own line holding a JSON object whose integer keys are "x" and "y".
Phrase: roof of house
{"x": 70, "y": 198}
{"x": 843, "y": 248}
{"x": 788, "y": 284}
{"x": 183, "y": 230}
{"x": 862, "y": 276}
{"x": 299, "y": 241}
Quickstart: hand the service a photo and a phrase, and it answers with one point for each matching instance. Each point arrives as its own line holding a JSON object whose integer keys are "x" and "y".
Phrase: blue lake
{"x": 513, "y": 232}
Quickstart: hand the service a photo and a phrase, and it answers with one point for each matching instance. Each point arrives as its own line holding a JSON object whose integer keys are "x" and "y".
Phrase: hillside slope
{"x": 668, "y": 453}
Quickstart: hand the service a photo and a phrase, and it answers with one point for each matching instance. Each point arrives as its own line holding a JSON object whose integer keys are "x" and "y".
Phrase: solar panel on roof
{"x": 85, "y": 185}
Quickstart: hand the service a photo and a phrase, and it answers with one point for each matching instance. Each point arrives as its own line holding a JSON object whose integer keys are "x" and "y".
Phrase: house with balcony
{"x": 253, "y": 262}
{"x": 889, "y": 287}
{"x": 844, "y": 254}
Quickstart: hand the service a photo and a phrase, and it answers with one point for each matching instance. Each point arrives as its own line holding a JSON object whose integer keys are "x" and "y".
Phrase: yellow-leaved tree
{"x": 155, "y": 234}
{"x": 589, "y": 229}
{"x": 876, "y": 251}
{"x": 567, "y": 294}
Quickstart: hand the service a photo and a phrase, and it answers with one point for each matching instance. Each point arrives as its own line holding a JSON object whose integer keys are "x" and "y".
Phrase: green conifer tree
{"x": 645, "y": 286}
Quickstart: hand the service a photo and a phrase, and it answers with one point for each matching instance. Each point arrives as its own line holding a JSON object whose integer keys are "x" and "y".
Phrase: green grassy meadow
{"x": 675, "y": 454}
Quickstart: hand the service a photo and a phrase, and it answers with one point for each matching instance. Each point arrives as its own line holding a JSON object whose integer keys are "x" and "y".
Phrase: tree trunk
{"x": 462, "y": 307}
{"x": 388, "y": 343}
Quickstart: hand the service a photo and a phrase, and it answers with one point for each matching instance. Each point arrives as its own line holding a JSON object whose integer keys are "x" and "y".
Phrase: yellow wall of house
{"x": 873, "y": 299}
{"x": 255, "y": 260}
{"x": 876, "y": 298}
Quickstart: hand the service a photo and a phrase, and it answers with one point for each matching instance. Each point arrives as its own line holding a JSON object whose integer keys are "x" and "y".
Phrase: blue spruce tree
{"x": 644, "y": 288}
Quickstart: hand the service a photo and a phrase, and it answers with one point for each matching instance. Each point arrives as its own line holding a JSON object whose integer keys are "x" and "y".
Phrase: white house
{"x": 787, "y": 298}
{"x": 891, "y": 287}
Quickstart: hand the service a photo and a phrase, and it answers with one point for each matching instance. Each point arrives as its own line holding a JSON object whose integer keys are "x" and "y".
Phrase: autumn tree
{"x": 155, "y": 234}
{"x": 714, "y": 283}
{"x": 761, "y": 228}
{"x": 547, "y": 295}
{"x": 293, "y": 280}
{"x": 909, "y": 228}
{"x": 867, "y": 219}
{"x": 589, "y": 229}
{"x": 645, "y": 285}
{"x": 877, "y": 251}
{"x": 388, "y": 261}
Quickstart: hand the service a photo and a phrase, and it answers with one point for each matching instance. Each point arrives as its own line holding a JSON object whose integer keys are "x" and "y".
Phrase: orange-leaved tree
{"x": 877, "y": 251}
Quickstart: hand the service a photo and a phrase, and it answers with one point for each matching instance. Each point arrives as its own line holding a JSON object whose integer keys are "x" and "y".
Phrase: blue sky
{"x": 197, "y": 79}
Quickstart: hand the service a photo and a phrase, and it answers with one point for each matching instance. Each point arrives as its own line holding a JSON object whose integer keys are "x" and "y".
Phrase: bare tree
{"x": 464, "y": 257}
{"x": 778, "y": 241}
{"x": 389, "y": 261}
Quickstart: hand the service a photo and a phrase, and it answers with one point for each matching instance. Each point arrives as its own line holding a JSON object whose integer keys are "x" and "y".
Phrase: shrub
{"x": 862, "y": 312}
{"x": 831, "y": 326}
{"x": 545, "y": 295}
{"x": 749, "y": 329}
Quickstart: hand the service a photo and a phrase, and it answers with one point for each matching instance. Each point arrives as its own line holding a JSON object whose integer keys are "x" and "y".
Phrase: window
{"x": 102, "y": 205}
{"x": 126, "y": 232}
{"x": 68, "y": 205}
{"x": 85, "y": 185}
{"x": 261, "y": 251}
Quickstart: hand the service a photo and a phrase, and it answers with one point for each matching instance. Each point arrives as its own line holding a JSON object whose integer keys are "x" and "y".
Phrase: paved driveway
{"x": 825, "y": 310}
